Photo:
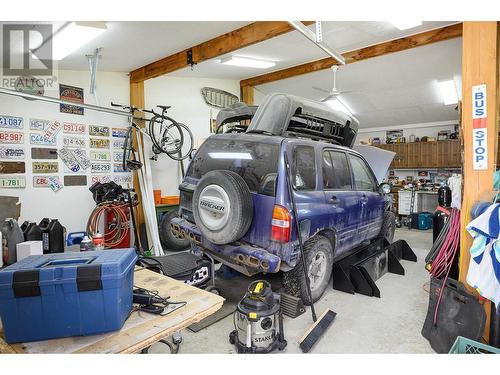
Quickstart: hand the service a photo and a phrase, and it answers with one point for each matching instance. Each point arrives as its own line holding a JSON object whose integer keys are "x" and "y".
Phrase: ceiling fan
{"x": 334, "y": 92}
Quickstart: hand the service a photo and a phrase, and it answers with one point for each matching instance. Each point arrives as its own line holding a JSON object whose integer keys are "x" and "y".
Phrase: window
{"x": 256, "y": 162}
{"x": 363, "y": 179}
{"x": 304, "y": 168}
{"x": 336, "y": 173}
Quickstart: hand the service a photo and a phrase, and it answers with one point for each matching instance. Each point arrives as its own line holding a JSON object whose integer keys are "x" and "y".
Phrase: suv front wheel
{"x": 319, "y": 257}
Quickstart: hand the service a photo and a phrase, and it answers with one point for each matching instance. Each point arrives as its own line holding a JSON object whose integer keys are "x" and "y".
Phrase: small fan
{"x": 334, "y": 92}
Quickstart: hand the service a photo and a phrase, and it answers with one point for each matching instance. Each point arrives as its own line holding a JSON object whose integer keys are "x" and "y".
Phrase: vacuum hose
{"x": 440, "y": 258}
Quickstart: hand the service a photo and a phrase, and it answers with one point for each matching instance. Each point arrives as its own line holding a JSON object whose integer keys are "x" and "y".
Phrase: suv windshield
{"x": 256, "y": 162}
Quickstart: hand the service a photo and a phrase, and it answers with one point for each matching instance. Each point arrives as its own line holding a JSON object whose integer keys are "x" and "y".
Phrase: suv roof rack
{"x": 319, "y": 129}
{"x": 291, "y": 116}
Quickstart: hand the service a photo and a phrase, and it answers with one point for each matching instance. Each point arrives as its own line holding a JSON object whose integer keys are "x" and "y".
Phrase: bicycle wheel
{"x": 129, "y": 161}
{"x": 165, "y": 134}
{"x": 187, "y": 144}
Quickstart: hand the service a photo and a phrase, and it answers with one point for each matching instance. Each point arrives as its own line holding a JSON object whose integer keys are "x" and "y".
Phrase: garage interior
{"x": 107, "y": 160}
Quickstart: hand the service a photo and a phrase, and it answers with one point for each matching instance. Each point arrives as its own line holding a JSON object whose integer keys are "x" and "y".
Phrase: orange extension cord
{"x": 120, "y": 231}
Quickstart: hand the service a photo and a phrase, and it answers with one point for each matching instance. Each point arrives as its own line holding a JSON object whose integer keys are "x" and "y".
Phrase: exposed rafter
{"x": 396, "y": 45}
{"x": 243, "y": 37}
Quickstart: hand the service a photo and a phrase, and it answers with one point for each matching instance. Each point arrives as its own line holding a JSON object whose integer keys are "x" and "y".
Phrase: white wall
{"x": 188, "y": 107}
{"x": 71, "y": 205}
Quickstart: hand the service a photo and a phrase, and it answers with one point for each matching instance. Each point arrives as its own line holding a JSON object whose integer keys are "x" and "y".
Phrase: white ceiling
{"x": 395, "y": 89}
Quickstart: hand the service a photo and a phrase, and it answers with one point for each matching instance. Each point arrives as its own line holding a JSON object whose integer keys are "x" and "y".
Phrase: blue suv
{"x": 235, "y": 204}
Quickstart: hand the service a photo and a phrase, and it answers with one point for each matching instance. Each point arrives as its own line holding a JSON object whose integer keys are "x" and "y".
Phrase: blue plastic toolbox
{"x": 66, "y": 294}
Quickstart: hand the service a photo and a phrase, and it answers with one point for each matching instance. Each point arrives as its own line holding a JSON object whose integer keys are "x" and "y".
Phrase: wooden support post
{"x": 137, "y": 100}
{"x": 479, "y": 67}
{"x": 247, "y": 95}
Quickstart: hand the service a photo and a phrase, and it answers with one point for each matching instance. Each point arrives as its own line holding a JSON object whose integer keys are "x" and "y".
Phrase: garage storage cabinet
{"x": 68, "y": 294}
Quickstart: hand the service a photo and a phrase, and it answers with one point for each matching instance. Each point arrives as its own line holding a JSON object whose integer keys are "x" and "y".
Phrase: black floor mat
{"x": 227, "y": 309}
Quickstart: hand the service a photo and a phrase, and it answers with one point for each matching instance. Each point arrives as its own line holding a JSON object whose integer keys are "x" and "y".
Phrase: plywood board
{"x": 141, "y": 330}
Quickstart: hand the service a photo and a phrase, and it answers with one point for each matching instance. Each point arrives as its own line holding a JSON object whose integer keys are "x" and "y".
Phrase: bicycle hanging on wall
{"x": 166, "y": 134}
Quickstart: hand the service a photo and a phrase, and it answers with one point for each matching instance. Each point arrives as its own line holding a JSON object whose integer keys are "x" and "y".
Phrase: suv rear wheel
{"x": 319, "y": 257}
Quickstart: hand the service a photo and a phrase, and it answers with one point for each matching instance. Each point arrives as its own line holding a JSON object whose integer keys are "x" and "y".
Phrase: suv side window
{"x": 304, "y": 168}
{"x": 336, "y": 174}
{"x": 363, "y": 179}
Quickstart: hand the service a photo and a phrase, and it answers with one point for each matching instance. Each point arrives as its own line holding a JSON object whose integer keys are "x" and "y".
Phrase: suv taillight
{"x": 281, "y": 224}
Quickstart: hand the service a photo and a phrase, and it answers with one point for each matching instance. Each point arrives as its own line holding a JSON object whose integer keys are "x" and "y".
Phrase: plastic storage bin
{"x": 463, "y": 345}
{"x": 68, "y": 294}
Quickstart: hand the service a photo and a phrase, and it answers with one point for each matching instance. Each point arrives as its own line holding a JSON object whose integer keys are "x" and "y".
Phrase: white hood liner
{"x": 378, "y": 159}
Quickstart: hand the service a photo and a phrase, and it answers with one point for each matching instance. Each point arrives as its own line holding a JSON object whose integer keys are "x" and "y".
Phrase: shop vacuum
{"x": 258, "y": 321}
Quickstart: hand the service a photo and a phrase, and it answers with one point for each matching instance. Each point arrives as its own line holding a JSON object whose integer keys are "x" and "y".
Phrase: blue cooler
{"x": 66, "y": 294}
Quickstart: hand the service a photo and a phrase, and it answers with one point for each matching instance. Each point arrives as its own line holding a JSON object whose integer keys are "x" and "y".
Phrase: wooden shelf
{"x": 438, "y": 154}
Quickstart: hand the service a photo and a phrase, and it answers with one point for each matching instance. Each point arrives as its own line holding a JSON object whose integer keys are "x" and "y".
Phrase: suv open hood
{"x": 378, "y": 159}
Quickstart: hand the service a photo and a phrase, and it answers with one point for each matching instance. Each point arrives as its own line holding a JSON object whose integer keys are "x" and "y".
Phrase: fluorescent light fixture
{"x": 337, "y": 105}
{"x": 231, "y": 155}
{"x": 247, "y": 62}
{"x": 405, "y": 24}
{"x": 74, "y": 35}
{"x": 448, "y": 91}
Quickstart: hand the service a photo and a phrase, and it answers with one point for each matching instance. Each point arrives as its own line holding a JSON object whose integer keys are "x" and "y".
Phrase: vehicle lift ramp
{"x": 358, "y": 272}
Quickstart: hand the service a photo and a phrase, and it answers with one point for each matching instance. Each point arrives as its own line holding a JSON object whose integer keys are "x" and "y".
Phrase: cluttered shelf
{"x": 141, "y": 329}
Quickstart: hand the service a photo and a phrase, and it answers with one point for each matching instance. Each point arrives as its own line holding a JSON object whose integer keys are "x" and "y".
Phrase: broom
{"x": 319, "y": 327}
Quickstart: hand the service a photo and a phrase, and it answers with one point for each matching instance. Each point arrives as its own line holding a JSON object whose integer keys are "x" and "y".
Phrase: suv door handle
{"x": 364, "y": 199}
{"x": 334, "y": 200}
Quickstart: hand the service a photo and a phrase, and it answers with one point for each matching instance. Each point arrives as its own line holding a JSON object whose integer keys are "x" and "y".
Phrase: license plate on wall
{"x": 9, "y": 167}
{"x": 72, "y": 128}
{"x": 118, "y": 156}
{"x": 11, "y": 122}
{"x": 118, "y": 168}
{"x": 119, "y": 132}
{"x": 100, "y": 155}
{"x": 118, "y": 143}
{"x": 102, "y": 179}
{"x": 38, "y": 139}
{"x": 54, "y": 128}
{"x": 12, "y": 152}
{"x": 100, "y": 168}
{"x": 40, "y": 181}
{"x": 99, "y": 143}
{"x": 123, "y": 180}
{"x": 11, "y": 137}
{"x": 45, "y": 167}
{"x": 81, "y": 157}
{"x": 12, "y": 182}
{"x": 100, "y": 131}
{"x": 38, "y": 124}
{"x": 73, "y": 142}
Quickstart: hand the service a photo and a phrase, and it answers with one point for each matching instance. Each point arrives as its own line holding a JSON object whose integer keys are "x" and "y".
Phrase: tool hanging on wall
{"x": 93, "y": 61}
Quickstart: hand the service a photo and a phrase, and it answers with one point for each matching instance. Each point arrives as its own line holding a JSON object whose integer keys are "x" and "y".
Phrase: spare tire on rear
{"x": 222, "y": 206}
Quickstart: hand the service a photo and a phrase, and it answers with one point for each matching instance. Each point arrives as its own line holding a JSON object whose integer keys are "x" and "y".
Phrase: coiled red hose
{"x": 121, "y": 229}
{"x": 443, "y": 262}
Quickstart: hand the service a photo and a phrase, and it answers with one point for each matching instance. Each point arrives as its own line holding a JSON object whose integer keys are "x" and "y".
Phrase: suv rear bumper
{"x": 244, "y": 258}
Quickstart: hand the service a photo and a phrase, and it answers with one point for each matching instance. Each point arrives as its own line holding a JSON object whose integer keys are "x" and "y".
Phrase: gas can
{"x": 31, "y": 231}
{"x": 52, "y": 236}
{"x": 11, "y": 236}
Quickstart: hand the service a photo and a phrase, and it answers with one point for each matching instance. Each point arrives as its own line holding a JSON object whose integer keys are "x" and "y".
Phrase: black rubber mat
{"x": 175, "y": 264}
{"x": 227, "y": 309}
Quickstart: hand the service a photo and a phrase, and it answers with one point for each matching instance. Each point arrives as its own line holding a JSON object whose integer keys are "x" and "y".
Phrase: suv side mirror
{"x": 384, "y": 188}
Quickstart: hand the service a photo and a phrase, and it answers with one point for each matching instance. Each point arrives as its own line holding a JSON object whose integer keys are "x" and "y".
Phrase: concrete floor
{"x": 390, "y": 324}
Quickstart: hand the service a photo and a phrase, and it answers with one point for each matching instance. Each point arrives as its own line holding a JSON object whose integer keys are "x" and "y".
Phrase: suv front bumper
{"x": 244, "y": 258}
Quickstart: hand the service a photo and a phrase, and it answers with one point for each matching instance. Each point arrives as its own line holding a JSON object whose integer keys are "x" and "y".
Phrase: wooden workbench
{"x": 141, "y": 330}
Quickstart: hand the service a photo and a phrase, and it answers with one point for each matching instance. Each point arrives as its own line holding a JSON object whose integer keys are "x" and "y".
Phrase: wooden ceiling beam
{"x": 240, "y": 38}
{"x": 396, "y": 45}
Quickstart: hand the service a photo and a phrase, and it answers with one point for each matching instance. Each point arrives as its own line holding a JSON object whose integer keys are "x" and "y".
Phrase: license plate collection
{"x": 89, "y": 153}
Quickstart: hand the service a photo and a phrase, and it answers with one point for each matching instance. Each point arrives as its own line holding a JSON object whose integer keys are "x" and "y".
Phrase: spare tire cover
{"x": 222, "y": 206}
